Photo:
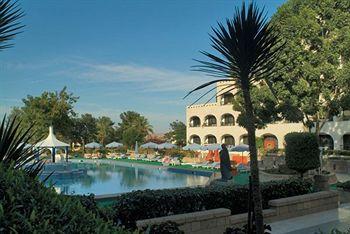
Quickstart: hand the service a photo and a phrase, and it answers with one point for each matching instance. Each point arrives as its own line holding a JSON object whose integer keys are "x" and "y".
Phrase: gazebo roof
{"x": 51, "y": 141}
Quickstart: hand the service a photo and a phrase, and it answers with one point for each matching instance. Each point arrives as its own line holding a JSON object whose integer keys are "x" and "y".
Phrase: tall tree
{"x": 177, "y": 133}
{"x": 50, "y": 108}
{"x": 314, "y": 69}
{"x": 10, "y": 14}
{"x": 136, "y": 122}
{"x": 84, "y": 129}
{"x": 247, "y": 56}
{"x": 105, "y": 130}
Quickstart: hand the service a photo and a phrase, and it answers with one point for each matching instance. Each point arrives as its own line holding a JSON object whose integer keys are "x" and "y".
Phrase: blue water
{"x": 109, "y": 178}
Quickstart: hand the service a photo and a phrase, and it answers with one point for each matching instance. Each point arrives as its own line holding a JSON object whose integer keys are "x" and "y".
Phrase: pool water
{"x": 103, "y": 178}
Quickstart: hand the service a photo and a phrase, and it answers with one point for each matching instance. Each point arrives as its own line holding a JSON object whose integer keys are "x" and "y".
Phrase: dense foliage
{"x": 50, "y": 108}
{"x": 302, "y": 151}
{"x": 168, "y": 227}
{"x": 26, "y": 206}
{"x": 177, "y": 133}
{"x": 147, "y": 204}
{"x": 14, "y": 152}
{"x": 344, "y": 185}
{"x": 314, "y": 67}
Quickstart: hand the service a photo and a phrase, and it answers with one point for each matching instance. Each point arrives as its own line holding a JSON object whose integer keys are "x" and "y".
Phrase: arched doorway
{"x": 326, "y": 141}
{"x": 195, "y": 139}
{"x": 228, "y": 140}
{"x": 210, "y": 139}
{"x": 270, "y": 142}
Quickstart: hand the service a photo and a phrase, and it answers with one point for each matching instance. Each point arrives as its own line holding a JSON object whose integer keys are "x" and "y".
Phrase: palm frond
{"x": 13, "y": 150}
{"x": 10, "y": 26}
{"x": 248, "y": 48}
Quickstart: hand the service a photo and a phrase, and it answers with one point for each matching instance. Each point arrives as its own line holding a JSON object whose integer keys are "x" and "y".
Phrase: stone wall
{"x": 217, "y": 220}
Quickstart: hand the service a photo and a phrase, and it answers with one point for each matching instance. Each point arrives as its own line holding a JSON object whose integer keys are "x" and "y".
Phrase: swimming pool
{"x": 111, "y": 178}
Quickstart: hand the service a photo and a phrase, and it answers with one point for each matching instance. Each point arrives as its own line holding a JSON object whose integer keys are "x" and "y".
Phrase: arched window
{"x": 346, "y": 141}
{"x": 210, "y": 121}
{"x": 226, "y": 99}
{"x": 195, "y": 121}
{"x": 243, "y": 139}
{"x": 326, "y": 141}
{"x": 195, "y": 139}
{"x": 228, "y": 140}
{"x": 210, "y": 139}
{"x": 227, "y": 120}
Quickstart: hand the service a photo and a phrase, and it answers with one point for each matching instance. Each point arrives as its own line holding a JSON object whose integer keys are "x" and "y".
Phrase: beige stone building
{"x": 216, "y": 123}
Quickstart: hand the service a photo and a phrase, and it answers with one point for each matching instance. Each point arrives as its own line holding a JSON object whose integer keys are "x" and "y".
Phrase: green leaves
{"x": 10, "y": 14}
{"x": 145, "y": 204}
{"x": 14, "y": 152}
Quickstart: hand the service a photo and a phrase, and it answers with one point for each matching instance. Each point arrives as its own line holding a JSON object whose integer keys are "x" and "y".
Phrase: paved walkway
{"x": 314, "y": 223}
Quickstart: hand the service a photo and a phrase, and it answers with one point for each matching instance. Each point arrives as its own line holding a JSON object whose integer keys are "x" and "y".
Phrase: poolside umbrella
{"x": 216, "y": 156}
{"x": 212, "y": 147}
{"x": 192, "y": 146}
{"x": 209, "y": 156}
{"x": 114, "y": 145}
{"x": 149, "y": 145}
{"x": 240, "y": 148}
{"x": 93, "y": 145}
{"x": 166, "y": 145}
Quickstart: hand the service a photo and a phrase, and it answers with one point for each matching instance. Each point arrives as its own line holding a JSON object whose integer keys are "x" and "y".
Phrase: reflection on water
{"x": 107, "y": 179}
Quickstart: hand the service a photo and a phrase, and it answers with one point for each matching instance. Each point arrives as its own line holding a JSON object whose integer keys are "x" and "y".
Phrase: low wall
{"x": 217, "y": 220}
{"x": 338, "y": 165}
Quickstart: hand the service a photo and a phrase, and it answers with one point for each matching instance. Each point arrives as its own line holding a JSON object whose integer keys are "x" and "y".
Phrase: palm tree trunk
{"x": 257, "y": 199}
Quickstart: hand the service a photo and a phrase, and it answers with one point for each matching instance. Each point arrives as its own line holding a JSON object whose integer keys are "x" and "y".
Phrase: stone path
{"x": 314, "y": 223}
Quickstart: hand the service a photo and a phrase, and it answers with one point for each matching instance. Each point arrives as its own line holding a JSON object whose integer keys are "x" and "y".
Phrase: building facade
{"x": 216, "y": 123}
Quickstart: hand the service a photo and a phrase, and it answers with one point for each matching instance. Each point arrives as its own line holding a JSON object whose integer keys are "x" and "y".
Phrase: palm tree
{"x": 248, "y": 51}
{"x": 9, "y": 25}
{"x": 14, "y": 150}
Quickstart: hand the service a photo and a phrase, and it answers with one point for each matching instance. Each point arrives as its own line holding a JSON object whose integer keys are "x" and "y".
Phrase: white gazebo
{"x": 52, "y": 143}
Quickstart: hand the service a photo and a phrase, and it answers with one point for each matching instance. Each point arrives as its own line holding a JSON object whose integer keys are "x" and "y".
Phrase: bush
{"x": 146, "y": 204}
{"x": 168, "y": 227}
{"x": 345, "y": 185}
{"x": 244, "y": 230}
{"x": 302, "y": 151}
{"x": 27, "y": 206}
{"x": 338, "y": 152}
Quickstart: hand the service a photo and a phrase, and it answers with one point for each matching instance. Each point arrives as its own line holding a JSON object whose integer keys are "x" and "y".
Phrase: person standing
{"x": 225, "y": 164}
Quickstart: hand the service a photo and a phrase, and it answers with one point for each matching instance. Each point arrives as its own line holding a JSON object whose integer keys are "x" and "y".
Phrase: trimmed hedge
{"x": 27, "y": 206}
{"x": 146, "y": 204}
{"x": 302, "y": 151}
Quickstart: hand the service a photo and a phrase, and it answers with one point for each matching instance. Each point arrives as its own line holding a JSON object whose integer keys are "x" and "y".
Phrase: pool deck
{"x": 314, "y": 223}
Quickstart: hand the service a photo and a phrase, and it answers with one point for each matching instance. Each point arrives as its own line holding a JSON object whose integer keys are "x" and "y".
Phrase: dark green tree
{"x": 131, "y": 135}
{"x": 314, "y": 68}
{"x": 105, "y": 130}
{"x": 177, "y": 133}
{"x": 50, "y": 108}
{"x": 84, "y": 129}
{"x": 136, "y": 122}
{"x": 247, "y": 54}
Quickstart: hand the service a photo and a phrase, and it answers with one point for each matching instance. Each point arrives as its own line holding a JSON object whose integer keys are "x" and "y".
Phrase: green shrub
{"x": 345, "y": 185}
{"x": 168, "y": 227}
{"x": 302, "y": 151}
{"x": 27, "y": 206}
{"x": 138, "y": 205}
{"x": 337, "y": 152}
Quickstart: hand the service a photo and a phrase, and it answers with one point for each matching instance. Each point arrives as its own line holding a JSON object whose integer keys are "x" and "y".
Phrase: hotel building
{"x": 216, "y": 123}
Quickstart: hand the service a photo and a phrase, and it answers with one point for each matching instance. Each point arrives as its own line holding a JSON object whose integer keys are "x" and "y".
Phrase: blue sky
{"x": 115, "y": 55}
